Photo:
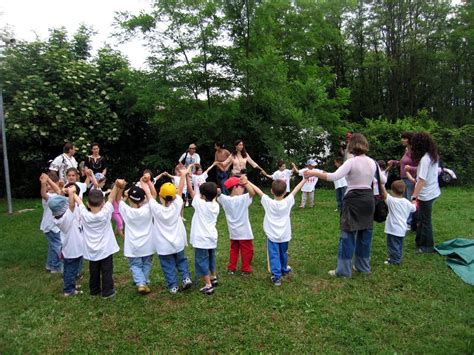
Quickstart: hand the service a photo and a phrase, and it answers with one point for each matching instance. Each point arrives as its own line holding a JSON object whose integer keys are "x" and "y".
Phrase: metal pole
{"x": 5, "y": 155}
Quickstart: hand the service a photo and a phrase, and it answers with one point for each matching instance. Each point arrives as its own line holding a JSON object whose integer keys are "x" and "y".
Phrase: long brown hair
{"x": 422, "y": 143}
{"x": 243, "y": 152}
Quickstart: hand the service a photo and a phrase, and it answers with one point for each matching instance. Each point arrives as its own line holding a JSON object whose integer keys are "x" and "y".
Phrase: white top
{"x": 48, "y": 221}
{"x": 340, "y": 183}
{"x": 198, "y": 180}
{"x": 311, "y": 183}
{"x": 61, "y": 163}
{"x": 72, "y": 238}
{"x": 399, "y": 208}
{"x": 176, "y": 183}
{"x": 138, "y": 230}
{"x": 203, "y": 226}
{"x": 169, "y": 234}
{"x": 428, "y": 171}
{"x": 276, "y": 223}
{"x": 236, "y": 210}
{"x": 190, "y": 159}
{"x": 98, "y": 234}
{"x": 82, "y": 188}
{"x": 284, "y": 175}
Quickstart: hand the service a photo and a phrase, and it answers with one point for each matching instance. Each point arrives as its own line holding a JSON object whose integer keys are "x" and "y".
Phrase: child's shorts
{"x": 204, "y": 261}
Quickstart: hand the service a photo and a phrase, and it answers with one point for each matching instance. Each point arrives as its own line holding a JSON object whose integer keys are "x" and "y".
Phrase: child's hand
{"x": 71, "y": 190}
{"x": 120, "y": 183}
{"x": 44, "y": 178}
{"x": 244, "y": 180}
{"x": 88, "y": 172}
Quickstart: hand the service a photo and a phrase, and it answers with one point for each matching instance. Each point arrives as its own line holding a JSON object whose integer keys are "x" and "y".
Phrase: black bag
{"x": 381, "y": 209}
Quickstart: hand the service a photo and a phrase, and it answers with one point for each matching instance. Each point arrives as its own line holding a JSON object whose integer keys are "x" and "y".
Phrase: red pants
{"x": 246, "y": 251}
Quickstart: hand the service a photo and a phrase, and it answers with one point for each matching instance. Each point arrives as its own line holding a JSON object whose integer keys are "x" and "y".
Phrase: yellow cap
{"x": 168, "y": 189}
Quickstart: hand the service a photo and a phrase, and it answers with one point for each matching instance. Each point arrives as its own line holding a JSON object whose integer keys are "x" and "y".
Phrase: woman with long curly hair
{"x": 425, "y": 154}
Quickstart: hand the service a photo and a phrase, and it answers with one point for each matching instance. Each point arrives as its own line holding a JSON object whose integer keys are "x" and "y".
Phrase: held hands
{"x": 71, "y": 190}
{"x": 244, "y": 180}
{"x": 120, "y": 183}
{"x": 43, "y": 178}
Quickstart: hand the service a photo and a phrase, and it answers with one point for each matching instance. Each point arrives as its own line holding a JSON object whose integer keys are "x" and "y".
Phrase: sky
{"x": 29, "y": 19}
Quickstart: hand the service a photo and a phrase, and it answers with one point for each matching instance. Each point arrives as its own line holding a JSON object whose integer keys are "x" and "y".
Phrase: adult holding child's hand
{"x": 357, "y": 215}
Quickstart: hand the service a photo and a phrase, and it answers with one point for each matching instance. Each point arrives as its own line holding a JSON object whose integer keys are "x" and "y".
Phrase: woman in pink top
{"x": 238, "y": 159}
{"x": 357, "y": 215}
{"x": 405, "y": 161}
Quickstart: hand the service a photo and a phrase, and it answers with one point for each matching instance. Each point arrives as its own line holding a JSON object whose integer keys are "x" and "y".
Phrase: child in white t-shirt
{"x": 236, "y": 208}
{"x": 72, "y": 178}
{"x": 307, "y": 191}
{"x": 169, "y": 233}
{"x": 399, "y": 208}
{"x": 138, "y": 243}
{"x": 199, "y": 177}
{"x": 277, "y": 226}
{"x": 204, "y": 233}
{"x": 48, "y": 227}
{"x": 100, "y": 243}
{"x": 281, "y": 174}
{"x": 67, "y": 218}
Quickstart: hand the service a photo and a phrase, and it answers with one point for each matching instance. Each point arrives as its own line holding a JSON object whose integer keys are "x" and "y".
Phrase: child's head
{"x": 197, "y": 169}
{"x": 278, "y": 188}
{"x": 100, "y": 179}
{"x": 168, "y": 192}
{"x": 177, "y": 170}
{"x": 233, "y": 185}
{"x": 72, "y": 175}
{"x": 338, "y": 161}
{"x": 136, "y": 195}
{"x": 58, "y": 205}
{"x": 382, "y": 164}
{"x": 281, "y": 165}
{"x": 311, "y": 164}
{"x": 208, "y": 190}
{"x": 398, "y": 187}
{"x": 96, "y": 198}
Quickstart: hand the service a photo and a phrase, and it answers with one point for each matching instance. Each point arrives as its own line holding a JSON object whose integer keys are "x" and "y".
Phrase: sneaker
{"x": 332, "y": 273}
{"x": 112, "y": 295}
{"x": 245, "y": 273}
{"x": 56, "y": 271}
{"x": 174, "y": 290}
{"x": 73, "y": 293}
{"x": 147, "y": 289}
{"x": 187, "y": 283}
{"x": 207, "y": 290}
{"x": 142, "y": 289}
{"x": 214, "y": 282}
{"x": 231, "y": 272}
{"x": 275, "y": 281}
{"x": 386, "y": 262}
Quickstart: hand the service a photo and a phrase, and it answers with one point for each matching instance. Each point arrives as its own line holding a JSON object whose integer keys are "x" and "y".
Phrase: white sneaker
{"x": 187, "y": 283}
{"x": 174, "y": 290}
{"x": 332, "y": 273}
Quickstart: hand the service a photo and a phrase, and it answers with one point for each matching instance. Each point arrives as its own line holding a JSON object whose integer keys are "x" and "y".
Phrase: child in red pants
{"x": 236, "y": 208}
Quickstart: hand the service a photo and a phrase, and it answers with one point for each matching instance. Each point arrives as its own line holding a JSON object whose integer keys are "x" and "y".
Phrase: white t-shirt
{"x": 198, "y": 180}
{"x": 203, "y": 225}
{"x": 98, "y": 234}
{"x": 82, "y": 188}
{"x": 138, "y": 230}
{"x": 48, "y": 221}
{"x": 176, "y": 183}
{"x": 72, "y": 238}
{"x": 61, "y": 163}
{"x": 311, "y": 183}
{"x": 428, "y": 171}
{"x": 169, "y": 233}
{"x": 276, "y": 223}
{"x": 399, "y": 208}
{"x": 236, "y": 210}
{"x": 284, "y": 175}
{"x": 340, "y": 183}
{"x": 190, "y": 159}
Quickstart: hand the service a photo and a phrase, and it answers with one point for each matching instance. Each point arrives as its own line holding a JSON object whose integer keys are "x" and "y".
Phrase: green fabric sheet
{"x": 460, "y": 257}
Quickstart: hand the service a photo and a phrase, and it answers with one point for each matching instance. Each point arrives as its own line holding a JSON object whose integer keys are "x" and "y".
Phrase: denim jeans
{"x": 71, "y": 268}
{"x": 140, "y": 268}
{"x": 340, "y": 192}
{"x": 395, "y": 249}
{"x": 424, "y": 232}
{"x": 278, "y": 258}
{"x": 169, "y": 264}
{"x": 358, "y": 241}
{"x": 222, "y": 176}
{"x": 204, "y": 261}
{"x": 53, "y": 260}
{"x": 409, "y": 187}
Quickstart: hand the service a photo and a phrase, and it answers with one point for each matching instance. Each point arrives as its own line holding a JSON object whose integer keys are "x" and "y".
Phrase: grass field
{"x": 419, "y": 307}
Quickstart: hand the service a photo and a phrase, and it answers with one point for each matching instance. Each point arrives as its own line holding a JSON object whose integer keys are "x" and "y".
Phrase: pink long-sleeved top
{"x": 359, "y": 173}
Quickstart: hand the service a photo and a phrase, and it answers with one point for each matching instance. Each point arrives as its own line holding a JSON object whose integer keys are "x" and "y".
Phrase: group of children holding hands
{"x": 154, "y": 225}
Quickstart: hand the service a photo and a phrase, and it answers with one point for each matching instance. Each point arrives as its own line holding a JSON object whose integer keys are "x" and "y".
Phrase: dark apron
{"x": 358, "y": 211}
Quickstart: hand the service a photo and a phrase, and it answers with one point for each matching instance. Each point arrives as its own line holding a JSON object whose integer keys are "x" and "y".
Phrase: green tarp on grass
{"x": 460, "y": 257}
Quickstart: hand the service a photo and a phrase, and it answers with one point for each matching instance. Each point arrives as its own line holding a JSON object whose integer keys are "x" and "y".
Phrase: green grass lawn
{"x": 419, "y": 307}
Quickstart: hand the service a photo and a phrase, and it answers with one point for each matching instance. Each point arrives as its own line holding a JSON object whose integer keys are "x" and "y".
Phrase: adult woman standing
{"x": 425, "y": 154}
{"x": 238, "y": 159}
{"x": 96, "y": 162}
{"x": 406, "y": 160}
{"x": 357, "y": 215}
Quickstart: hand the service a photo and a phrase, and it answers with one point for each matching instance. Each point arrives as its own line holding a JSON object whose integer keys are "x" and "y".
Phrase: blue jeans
{"x": 140, "y": 268}
{"x": 424, "y": 232}
{"x": 409, "y": 187}
{"x": 53, "y": 260}
{"x": 204, "y": 261}
{"x": 340, "y": 192}
{"x": 278, "y": 258}
{"x": 222, "y": 177}
{"x": 358, "y": 241}
{"x": 169, "y": 264}
{"x": 72, "y": 267}
{"x": 395, "y": 249}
